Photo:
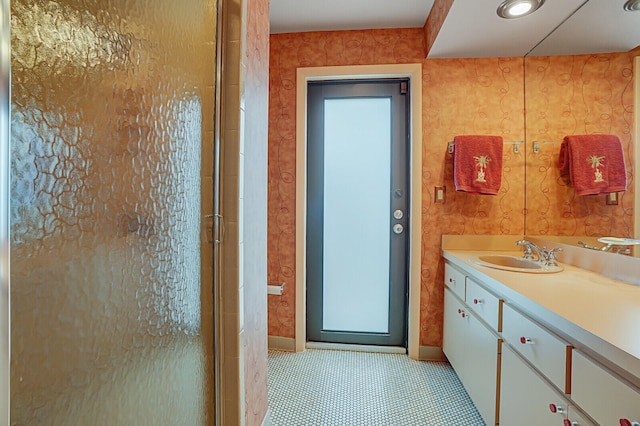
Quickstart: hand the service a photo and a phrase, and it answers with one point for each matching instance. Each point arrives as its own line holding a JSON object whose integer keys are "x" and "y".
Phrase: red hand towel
{"x": 477, "y": 164}
{"x": 595, "y": 163}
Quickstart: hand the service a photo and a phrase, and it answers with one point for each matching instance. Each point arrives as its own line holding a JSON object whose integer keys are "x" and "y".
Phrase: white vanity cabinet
{"x": 567, "y": 351}
{"x": 525, "y": 361}
{"x": 471, "y": 345}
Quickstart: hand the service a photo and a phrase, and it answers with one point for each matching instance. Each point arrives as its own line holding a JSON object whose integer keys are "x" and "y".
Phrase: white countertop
{"x": 601, "y": 314}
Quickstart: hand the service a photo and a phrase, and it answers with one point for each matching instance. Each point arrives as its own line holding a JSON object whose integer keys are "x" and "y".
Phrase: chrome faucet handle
{"x": 528, "y": 252}
{"x": 551, "y": 254}
{"x": 550, "y": 257}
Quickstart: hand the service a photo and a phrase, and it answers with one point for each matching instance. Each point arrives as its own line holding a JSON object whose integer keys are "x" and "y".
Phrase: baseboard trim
{"x": 357, "y": 348}
{"x": 431, "y": 353}
{"x": 278, "y": 343}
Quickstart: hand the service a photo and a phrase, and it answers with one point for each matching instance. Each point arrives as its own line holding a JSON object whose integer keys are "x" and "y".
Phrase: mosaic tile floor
{"x": 342, "y": 388}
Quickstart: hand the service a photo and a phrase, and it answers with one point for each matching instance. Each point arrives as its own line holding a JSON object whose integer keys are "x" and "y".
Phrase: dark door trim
{"x": 395, "y": 91}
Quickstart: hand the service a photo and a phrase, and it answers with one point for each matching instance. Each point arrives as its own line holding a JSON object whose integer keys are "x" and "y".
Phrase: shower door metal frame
{"x": 5, "y": 144}
{"x": 218, "y": 397}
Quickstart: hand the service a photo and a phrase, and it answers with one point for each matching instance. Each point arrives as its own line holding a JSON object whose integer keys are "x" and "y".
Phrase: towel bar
{"x": 516, "y": 146}
{"x": 536, "y": 145}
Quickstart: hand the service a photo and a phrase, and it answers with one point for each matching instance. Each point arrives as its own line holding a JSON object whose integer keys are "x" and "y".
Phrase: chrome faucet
{"x": 543, "y": 255}
{"x": 529, "y": 248}
{"x": 607, "y": 247}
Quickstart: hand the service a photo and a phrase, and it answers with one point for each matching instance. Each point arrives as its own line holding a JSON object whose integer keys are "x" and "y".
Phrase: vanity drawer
{"x": 544, "y": 350}
{"x": 486, "y": 305}
{"x": 592, "y": 384}
{"x": 454, "y": 279}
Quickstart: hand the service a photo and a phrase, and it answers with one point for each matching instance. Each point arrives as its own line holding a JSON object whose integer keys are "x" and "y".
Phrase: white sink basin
{"x": 513, "y": 263}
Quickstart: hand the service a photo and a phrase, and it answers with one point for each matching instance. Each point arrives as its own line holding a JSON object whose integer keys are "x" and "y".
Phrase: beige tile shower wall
{"x": 231, "y": 249}
{"x": 244, "y": 207}
{"x": 568, "y": 95}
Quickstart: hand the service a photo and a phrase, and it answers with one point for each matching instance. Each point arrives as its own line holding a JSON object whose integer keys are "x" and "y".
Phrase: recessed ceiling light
{"x": 510, "y": 9}
{"x": 632, "y": 6}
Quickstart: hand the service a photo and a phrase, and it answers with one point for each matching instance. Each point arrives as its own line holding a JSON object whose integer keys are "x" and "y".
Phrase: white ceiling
{"x": 472, "y": 28}
{"x": 292, "y": 16}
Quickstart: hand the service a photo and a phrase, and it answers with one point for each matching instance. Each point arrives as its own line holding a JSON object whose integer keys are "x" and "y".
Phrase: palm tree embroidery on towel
{"x": 482, "y": 161}
{"x": 597, "y": 161}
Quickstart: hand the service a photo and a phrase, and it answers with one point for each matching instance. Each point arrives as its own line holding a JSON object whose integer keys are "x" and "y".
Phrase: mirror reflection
{"x": 572, "y": 90}
{"x": 596, "y": 26}
{"x": 615, "y": 245}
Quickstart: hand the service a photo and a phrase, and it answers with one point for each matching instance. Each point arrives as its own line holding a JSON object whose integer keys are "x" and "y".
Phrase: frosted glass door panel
{"x": 112, "y": 109}
{"x": 356, "y": 214}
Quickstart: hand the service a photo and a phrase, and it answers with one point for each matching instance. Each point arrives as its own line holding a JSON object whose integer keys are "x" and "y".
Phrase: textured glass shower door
{"x": 112, "y": 110}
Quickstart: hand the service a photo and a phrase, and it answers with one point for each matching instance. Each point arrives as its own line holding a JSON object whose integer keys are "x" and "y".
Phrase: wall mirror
{"x": 572, "y": 87}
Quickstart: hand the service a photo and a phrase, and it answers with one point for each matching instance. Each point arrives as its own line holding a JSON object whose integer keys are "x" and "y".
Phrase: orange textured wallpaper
{"x": 256, "y": 138}
{"x": 288, "y": 52}
{"x": 436, "y": 18}
{"x": 568, "y": 95}
{"x": 466, "y": 96}
{"x": 459, "y": 97}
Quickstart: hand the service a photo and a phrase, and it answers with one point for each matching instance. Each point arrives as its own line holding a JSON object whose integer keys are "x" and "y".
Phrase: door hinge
{"x": 209, "y": 223}
{"x": 404, "y": 87}
{"x": 210, "y": 227}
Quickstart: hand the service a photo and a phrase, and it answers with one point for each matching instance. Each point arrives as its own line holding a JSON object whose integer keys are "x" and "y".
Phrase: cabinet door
{"x": 454, "y": 332}
{"x": 601, "y": 394}
{"x": 525, "y": 397}
{"x": 481, "y": 372}
{"x": 472, "y": 350}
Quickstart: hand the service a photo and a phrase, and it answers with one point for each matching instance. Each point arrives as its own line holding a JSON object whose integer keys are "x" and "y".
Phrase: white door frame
{"x": 304, "y": 75}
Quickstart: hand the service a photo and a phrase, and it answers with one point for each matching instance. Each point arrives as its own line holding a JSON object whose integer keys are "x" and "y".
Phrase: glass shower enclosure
{"x": 110, "y": 176}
